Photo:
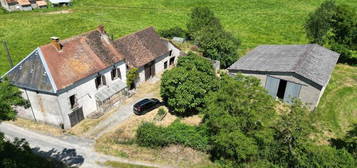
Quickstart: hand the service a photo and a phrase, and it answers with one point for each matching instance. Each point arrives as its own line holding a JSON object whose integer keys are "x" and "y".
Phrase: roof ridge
{"x": 45, "y": 66}
{"x": 133, "y": 33}
{"x": 303, "y": 56}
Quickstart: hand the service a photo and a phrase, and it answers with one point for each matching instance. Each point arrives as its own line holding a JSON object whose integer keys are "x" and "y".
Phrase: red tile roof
{"x": 80, "y": 57}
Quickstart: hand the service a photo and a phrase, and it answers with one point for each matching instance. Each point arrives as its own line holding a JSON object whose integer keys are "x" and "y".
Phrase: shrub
{"x": 173, "y": 32}
{"x": 131, "y": 76}
{"x": 149, "y": 135}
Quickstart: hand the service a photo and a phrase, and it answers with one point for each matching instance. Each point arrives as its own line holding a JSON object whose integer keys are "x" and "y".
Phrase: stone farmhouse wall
{"x": 55, "y": 109}
{"x": 159, "y": 63}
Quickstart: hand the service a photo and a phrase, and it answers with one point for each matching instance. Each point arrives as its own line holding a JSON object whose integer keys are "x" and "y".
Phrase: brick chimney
{"x": 101, "y": 29}
{"x": 55, "y": 42}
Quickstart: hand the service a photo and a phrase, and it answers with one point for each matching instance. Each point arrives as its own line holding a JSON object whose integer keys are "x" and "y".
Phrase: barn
{"x": 290, "y": 71}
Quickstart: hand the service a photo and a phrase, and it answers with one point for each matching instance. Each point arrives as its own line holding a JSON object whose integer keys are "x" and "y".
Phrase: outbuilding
{"x": 290, "y": 71}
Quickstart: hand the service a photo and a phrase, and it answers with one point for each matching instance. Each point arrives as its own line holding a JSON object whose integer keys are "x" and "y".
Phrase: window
{"x": 73, "y": 101}
{"x": 116, "y": 73}
{"x": 170, "y": 53}
{"x": 172, "y": 60}
{"x": 165, "y": 65}
{"x": 100, "y": 81}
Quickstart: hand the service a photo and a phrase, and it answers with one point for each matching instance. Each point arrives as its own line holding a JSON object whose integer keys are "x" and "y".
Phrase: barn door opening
{"x": 76, "y": 116}
{"x": 281, "y": 89}
{"x": 149, "y": 70}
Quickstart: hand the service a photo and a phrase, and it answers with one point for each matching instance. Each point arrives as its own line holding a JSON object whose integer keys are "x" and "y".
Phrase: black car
{"x": 146, "y": 105}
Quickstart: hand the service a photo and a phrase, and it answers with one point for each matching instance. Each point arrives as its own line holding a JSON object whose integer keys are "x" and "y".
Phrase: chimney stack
{"x": 101, "y": 29}
{"x": 55, "y": 42}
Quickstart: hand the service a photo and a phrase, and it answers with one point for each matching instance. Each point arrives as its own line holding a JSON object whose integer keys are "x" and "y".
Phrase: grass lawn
{"x": 338, "y": 106}
{"x": 254, "y": 22}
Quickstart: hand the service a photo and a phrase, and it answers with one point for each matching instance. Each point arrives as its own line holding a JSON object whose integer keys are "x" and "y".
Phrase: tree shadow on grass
{"x": 67, "y": 156}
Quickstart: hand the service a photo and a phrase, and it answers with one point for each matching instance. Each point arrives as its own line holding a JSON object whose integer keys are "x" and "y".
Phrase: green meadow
{"x": 254, "y": 22}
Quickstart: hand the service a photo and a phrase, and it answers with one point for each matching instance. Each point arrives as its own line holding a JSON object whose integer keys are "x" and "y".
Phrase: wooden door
{"x": 149, "y": 70}
{"x": 76, "y": 116}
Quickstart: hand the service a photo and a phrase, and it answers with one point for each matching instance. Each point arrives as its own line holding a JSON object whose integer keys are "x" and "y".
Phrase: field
{"x": 253, "y": 22}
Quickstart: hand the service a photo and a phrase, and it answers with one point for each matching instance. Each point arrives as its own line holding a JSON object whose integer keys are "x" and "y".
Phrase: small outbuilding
{"x": 290, "y": 71}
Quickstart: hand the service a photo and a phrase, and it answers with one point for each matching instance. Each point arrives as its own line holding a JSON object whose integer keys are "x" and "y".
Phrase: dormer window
{"x": 170, "y": 53}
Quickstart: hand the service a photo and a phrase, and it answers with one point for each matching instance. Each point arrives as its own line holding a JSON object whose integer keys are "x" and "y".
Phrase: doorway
{"x": 149, "y": 70}
{"x": 76, "y": 116}
{"x": 281, "y": 89}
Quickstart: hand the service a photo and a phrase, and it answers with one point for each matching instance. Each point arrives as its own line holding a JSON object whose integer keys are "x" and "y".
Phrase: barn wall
{"x": 309, "y": 95}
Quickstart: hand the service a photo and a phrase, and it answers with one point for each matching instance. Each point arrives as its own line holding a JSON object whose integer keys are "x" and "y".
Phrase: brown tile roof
{"x": 141, "y": 47}
{"x": 41, "y": 3}
{"x": 11, "y": 1}
{"x": 80, "y": 57}
{"x": 24, "y": 2}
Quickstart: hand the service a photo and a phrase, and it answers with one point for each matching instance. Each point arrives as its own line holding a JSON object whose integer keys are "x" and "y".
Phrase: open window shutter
{"x": 292, "y": 91}
{"x": 119, "y": 73}
{"x": 103, "y": 80}
{"x": 272, "y": 85}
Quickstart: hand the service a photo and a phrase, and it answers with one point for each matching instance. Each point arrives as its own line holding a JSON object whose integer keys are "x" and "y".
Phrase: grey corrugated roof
{"x": 311, "y": 61}
{"x": 31, "y": 73}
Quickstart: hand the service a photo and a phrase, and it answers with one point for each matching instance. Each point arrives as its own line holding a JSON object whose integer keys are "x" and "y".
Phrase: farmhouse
{"x": 68, "y": 80}
{"x": 290, "y": 71}
{"x": 25, "y": 5}
{"x": 61, "y": 2}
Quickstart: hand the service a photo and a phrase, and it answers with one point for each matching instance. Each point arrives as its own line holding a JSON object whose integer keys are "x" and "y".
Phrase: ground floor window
{"x": 165, "y": 65}
{"x": 73, "y": 101}
{"x": 172, "y": 60}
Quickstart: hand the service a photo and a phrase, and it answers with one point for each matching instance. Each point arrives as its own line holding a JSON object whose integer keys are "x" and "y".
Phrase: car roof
{"x": 142, "y": 102}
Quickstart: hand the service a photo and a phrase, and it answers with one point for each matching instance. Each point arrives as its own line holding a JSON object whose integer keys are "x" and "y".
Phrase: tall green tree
{"x": 10, "y": 96}
{"x": 237, "y": 116}
{"x": 184, "y": 87}
{"x": 200, "y": 18}
{"x": 334, "y": 26}
{"x": 207, "y": 32}
{"x": 218, "y": 45}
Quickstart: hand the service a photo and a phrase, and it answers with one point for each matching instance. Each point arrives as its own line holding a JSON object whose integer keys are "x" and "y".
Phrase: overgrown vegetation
{"x": 173, "y": 32}
{"x": 150, "y": 135}
{"x": 131, "y": 77}
{"x": 334, "y": 26}
{"x": 208, "y": 33}
{"x": 183, "y": 88}
{"x": 242, "y": 128}
{"x": 17, "y": 154}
